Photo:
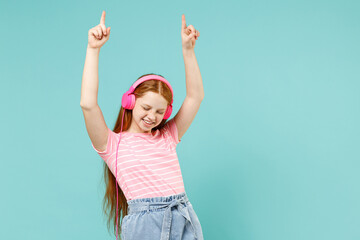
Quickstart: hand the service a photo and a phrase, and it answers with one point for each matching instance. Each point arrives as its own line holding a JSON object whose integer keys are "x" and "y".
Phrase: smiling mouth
{"x": 148, "y": 124}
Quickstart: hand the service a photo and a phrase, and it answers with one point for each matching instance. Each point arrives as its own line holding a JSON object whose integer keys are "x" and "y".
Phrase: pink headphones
{"x": 128, "y": 102}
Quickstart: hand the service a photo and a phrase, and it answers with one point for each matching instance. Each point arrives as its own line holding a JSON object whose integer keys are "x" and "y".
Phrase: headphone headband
{"x": 151, "y": 77}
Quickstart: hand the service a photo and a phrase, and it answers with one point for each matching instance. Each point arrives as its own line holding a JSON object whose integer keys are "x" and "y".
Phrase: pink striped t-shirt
{"x": 147, "y": 164}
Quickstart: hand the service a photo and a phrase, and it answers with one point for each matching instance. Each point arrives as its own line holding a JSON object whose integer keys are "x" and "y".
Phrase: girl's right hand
{"x": 98, "y": 35}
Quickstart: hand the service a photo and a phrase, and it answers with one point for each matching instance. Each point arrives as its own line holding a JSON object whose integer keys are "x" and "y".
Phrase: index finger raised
{"x": 102, "y": 20}
{"x": 183, "y": 22}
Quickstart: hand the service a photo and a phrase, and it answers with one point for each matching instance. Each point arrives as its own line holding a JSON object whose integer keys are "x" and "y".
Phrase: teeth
{"x": 147, "y": 122}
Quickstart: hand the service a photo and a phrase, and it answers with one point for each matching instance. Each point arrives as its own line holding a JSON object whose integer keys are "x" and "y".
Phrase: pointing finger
{"x": 183, "y": 24}
{"x": 102, "y": 20}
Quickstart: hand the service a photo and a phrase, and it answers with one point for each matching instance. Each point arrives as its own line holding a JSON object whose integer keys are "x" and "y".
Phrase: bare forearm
{"x": 194, "y": 85}
{"x": 90, "y": 78}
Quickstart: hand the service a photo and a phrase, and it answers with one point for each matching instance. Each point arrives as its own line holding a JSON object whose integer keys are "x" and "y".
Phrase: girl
{"x": 141, "y": 168}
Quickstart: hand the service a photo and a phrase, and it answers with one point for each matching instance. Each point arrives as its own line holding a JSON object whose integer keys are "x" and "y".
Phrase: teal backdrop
{"x": 273, "y": 153}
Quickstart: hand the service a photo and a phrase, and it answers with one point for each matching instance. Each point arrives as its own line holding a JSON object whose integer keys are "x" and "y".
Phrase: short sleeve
{"x": 112, "y": 141}
{"x": 170, "y": 130}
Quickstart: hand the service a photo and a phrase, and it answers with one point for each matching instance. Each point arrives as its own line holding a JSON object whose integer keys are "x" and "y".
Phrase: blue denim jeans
{"x": 161, "y": 218}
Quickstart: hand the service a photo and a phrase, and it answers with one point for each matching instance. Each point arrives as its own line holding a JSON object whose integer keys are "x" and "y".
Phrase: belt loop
{"x": 148, "y": 207}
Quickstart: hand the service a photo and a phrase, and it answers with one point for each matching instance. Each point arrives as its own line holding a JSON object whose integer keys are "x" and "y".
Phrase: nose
{"x": 151, "y": 117}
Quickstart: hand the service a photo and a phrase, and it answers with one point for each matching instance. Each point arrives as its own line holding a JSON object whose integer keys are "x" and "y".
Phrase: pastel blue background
{"x": 273, "y": 153}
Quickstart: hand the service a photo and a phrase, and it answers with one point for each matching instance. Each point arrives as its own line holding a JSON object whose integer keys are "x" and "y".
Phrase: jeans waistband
{"x": 180, "y": 201}
{"x": 141, "y": 204}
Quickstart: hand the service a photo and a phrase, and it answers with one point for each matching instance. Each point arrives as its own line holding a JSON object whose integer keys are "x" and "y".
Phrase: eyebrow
{"x": 150, "y": 106}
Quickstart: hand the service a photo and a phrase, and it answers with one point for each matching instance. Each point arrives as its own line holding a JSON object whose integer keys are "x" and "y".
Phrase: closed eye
{"x": 149, "y": 109}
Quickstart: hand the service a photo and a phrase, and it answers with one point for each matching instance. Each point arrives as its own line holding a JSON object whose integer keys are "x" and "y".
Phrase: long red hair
{"x": 109, "y": 201}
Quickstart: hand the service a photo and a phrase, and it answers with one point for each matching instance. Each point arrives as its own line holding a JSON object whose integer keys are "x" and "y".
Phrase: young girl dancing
{"x": 141, "y": 167}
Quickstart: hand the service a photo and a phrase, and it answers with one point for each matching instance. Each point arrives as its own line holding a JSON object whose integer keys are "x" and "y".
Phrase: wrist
{"x": 187, "y": 51}
{"x": 93, "y": 49}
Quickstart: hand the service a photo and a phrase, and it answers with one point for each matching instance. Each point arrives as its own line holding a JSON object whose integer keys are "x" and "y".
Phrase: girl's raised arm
{"x": 94, "y": 119}
{"x": 194, "y": 85}
{"x": 97, "y": 37}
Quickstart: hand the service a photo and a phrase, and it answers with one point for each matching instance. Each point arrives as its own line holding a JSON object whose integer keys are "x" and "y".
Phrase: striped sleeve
{"x": 110, "y": 146}
{"x": 171, "y": 131}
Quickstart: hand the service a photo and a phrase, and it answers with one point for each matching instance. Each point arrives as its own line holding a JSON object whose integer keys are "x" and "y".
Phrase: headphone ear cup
{"x": 128, "y": 100}
{"x": 168, "y": 112}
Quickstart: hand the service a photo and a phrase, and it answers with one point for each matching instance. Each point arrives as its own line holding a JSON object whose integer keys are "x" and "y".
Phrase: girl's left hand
{"x": 188, "y": 35}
